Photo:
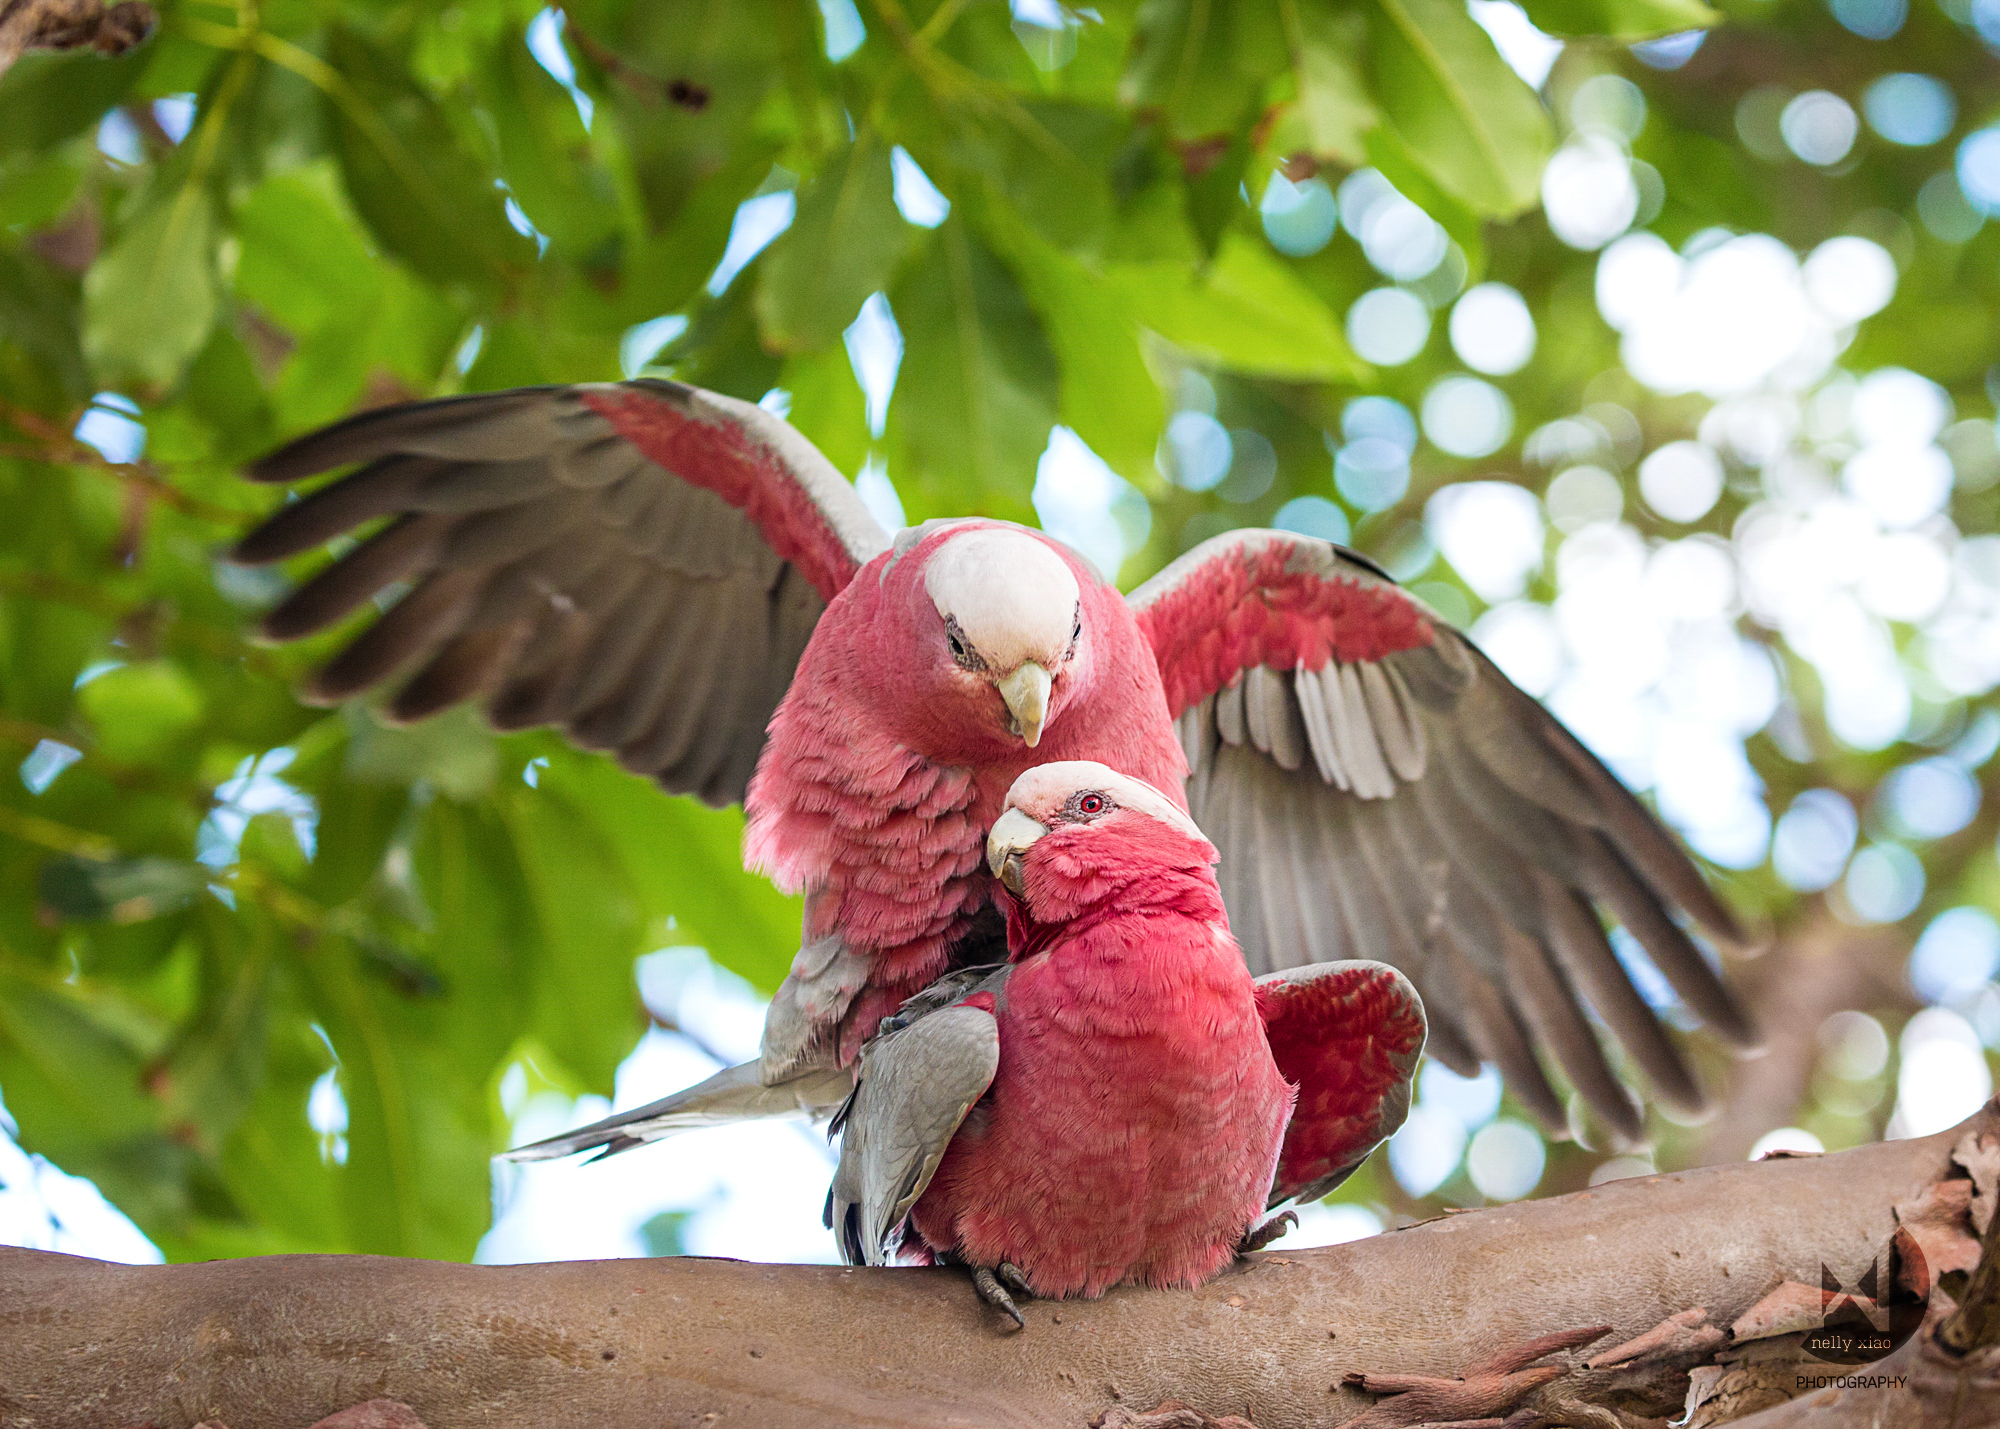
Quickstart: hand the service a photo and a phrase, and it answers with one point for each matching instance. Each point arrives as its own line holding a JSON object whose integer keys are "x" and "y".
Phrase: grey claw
{"x": 1015, "y": 1278}
{"x": 995, "y": 1294}
{"x": 1263, "y": 1235}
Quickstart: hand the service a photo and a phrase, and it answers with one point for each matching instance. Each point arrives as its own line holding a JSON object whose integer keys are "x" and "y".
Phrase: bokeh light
{"x": 1871, "y": 19}
{"x": 1979, "y": 169}
{"x": 1314, "y": 516}
{"x": 1884, "y": 883}
{"x": 1401, "y": 240}
{"x": 1957, "y": 955}
{"x": 1299, "y": 219}
{"x": 1505, "y": 1161}
{"x": 1910, "y": 109}
{"x": 1588, "y": 192}
{"x": 1819, "y": 127}
{"x": 1930, "y": 799}
{"x": 1810, "y": 848}
{"x": 1467, "y": 417}
{"x": 1583, "y": 496}
{"x": 1793, "y": 1139}
{"x": 1491, "y": 532}
{"x": 1681, "y": 480}
{"x": 1850, "y": 278}
{"x": 1196, "y": 451}
{"x": 1853, "y": 1046}
{"x": 1372, "y": 473}
{"x": 1492, "y": 330}
{"x": 1388, "y": 326}
{"x": 1942, "y": 1077}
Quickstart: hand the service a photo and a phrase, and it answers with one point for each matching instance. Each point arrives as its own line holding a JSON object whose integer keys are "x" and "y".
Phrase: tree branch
{"x": 72, "y": 25}
{"x": 287, "y": 1340}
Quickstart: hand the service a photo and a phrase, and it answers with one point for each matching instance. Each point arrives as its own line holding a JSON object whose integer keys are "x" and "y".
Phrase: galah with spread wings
{"x": 1119, "y": 1103}
{"x": 680, "y": 578}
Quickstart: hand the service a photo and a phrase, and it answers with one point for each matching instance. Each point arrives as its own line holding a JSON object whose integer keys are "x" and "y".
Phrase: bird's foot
{"x": 994, "y": 1284}
{"x": 1256, "y": 1238}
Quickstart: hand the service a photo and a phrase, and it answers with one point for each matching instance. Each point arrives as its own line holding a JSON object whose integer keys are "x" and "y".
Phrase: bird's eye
{"x": 961, "y": 649}
{"x": 1091, "y": 804}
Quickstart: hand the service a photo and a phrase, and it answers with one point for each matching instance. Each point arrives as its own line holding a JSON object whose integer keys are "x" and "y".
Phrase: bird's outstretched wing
{"x": 1378, "y": 789}
{"x": 915, "y": 1085}
{"x": 1348, "y": 1036}
{"x": 640, "y": 563}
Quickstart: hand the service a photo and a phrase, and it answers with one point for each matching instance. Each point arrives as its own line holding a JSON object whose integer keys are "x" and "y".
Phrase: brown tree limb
{"x": 72, "y": 25}
{"x": 284, "y": 1341}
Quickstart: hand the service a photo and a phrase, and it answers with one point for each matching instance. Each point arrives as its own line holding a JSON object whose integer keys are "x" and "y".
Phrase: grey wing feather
{"x": 561, "y": 575}
{"x": 1420, "y": 809}
{"x": 914, "y": 1088}
{"x": 731, "y": 1095}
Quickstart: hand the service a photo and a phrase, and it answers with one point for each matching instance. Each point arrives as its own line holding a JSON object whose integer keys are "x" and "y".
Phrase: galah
{"x": 682, "y": 579}
{"x": 1118, "y": 1103}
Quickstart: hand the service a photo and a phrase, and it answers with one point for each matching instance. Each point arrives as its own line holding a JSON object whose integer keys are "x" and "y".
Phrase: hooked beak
{"x": 1010, "y": 840}
{"x": 1026, "y": 692}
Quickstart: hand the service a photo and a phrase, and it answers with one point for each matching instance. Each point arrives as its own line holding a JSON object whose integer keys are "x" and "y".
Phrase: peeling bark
{"x": 285, "y": 1341}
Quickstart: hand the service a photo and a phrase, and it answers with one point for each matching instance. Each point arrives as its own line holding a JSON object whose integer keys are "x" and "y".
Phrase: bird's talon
{"x": 995, "y": 1294}
{"x": 1260, "y": 1236}
{"x": 1015, "y": 1278}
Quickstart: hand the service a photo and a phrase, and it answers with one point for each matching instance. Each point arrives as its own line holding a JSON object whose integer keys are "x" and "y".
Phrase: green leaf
{"x": 151, "y": 299}
{"x": 38, "y": 320}
{"x": 588, "y": 921}
{"x": 1107, "y": 394}
{"x": 453, "y": 753}
{"x": 666, "y": 269}
{"x": 35, "y": 189}
{"x": 828, "y": 405}
{"x": 139, "y": 710}
{"x": 120, "y": 890}
{"x": 1465, "y": 116}
{"x": 419, "y": 192}
{"x": 544, "y": 152}
{"x": 1250, "y": 313}
{"x": 1622, "y": 20}
{"x": 976, "y": 395}
{"x": 1203, "y": 64}
{"x": 46, "y": 98}
{"x": 842, "y": 245}
{"x": 210, "y": 1073}
{"x": 303, "y": 258}
{"x": 1331, "y": 111}
{"x": 684, "y": 862}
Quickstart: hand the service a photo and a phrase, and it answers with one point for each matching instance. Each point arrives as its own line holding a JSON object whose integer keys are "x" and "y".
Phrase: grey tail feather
{"x": 733, "y": 1094}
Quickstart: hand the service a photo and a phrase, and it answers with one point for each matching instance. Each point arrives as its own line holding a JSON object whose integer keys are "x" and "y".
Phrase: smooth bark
{"x": 284, "y": 1341}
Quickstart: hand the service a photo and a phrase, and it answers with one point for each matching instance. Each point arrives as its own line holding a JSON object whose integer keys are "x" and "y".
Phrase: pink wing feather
{"x": 1348, "y": 1036}
{"x": 1378, "y": 789}
{"x": 638, "y": 563}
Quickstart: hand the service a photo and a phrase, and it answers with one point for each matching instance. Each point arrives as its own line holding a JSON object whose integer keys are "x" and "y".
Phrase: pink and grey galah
{"x": 1118, "y": 1102}
{"x": 680, "y": 578}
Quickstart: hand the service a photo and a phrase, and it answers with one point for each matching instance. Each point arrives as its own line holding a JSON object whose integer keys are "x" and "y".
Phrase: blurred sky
{"x": 1655, "y": 650}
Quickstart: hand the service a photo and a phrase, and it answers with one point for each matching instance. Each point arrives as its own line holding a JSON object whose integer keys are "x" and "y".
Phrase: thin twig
{"x": 61, "y": 447}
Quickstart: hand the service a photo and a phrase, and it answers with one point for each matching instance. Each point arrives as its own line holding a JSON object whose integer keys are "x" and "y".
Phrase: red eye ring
{"x": 1091, "y": 804}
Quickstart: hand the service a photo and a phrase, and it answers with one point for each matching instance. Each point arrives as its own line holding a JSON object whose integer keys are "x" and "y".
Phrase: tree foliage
{"x": 212, "y": 897}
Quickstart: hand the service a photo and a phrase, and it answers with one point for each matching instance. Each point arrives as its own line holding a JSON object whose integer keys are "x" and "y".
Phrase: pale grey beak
{"x": 1026, "y": 692}
{"x": 1011, "y": 838}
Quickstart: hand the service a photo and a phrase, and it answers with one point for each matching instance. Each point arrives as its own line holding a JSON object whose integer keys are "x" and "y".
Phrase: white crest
{"x": 1013, "y": 597}
{"x": 1043, "y": 790}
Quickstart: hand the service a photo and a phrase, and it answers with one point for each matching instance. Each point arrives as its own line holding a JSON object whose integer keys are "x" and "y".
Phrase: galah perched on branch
{"x": 1118, "y": 1103}
{"x": 667, "y": 573}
